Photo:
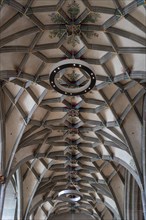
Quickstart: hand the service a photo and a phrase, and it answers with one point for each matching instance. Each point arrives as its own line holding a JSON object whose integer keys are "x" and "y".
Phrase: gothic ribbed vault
{"x": 93, "y": 143}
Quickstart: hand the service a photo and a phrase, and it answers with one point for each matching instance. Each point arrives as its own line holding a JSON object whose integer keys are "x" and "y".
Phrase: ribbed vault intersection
{"x": 93, "y": 143}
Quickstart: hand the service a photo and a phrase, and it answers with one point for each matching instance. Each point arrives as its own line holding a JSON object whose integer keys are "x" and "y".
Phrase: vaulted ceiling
{"x": 92, "y": 143}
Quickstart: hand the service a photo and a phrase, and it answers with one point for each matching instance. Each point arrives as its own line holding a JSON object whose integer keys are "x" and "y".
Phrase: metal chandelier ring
{"x": 74, "y": 63}
{"x": 70, "y": 196}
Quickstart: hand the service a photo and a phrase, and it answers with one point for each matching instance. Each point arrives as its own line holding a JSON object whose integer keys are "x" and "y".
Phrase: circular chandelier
{"x": 81, "y": 85}
{"x": 69, "y": 195}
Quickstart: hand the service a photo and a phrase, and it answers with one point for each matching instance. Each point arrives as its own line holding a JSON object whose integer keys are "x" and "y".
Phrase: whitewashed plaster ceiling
{"x": 42, "y": 134}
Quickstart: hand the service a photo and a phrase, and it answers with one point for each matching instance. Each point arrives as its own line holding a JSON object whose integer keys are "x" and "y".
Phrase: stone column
{"x": 2, "y": 149}
{"x": 144, "y": 155}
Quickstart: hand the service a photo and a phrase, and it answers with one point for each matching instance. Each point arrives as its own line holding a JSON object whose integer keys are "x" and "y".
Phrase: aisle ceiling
{"x": 83, "y": 142}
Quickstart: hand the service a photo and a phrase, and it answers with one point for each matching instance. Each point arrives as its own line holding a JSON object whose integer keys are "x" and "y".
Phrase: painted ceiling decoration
{"x": 72, "y": 28}
{"x": 73, "y": 109}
